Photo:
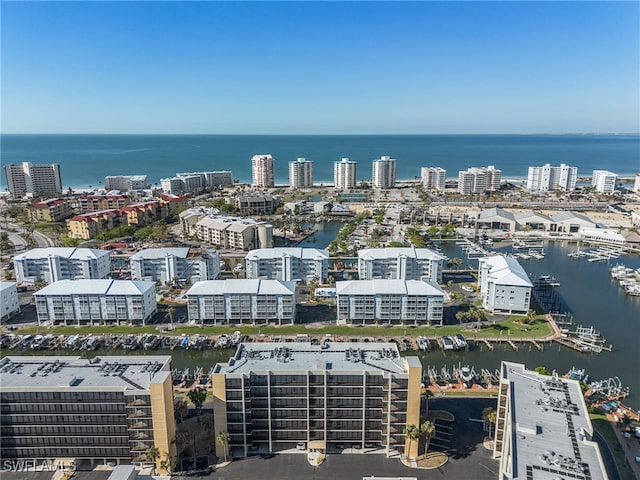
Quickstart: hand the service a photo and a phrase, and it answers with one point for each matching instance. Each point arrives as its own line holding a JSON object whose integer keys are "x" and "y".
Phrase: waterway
{"x": 588, "y": 290}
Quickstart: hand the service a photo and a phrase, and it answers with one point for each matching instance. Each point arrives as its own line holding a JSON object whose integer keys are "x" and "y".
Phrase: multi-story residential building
{"x": 543, "y": 428}
{"x": 126, "y": 183}
{"x": 478, "y": 180}
{"x": 33, "y": 180}
{"x": 301, "y": 173}
{"x": 144, "y": 213}
{"x": 276, "y": 396}
{"x": 172, "y": 185}
{"x": 88, "y": 411}
{"x": 433, "y": 178}
{"x": 233, "y": 232}
{"x": 636, "y": 183}
{"x": 344, "y": 174}
{"x": 403, "y": 263}
{"x": 61, "y": 263}
{"x": 89, "y": 225}
{"x": 166, "y": 264}
{"x": 415, "y": 302}
{"x": 174, "y": 203}
{"x": 99, "y": 202}
{"x": 191, "y": 182}
{"x": 242, "y": 301}
{"x": 9, "y": 301}
{"x": 504, "y": 285}
{"x": 85, "y": 302}
{"x": 288, "y": 264}
{"x": 262, "y": 171}
{"x": 604, "y": 181}
{"x": 383, "y": 172}
{"x": 254, "y": 204}
{"x": 547, "y": 178}
{"x": 220, "y": 178}
{"x": 51, "y": 210}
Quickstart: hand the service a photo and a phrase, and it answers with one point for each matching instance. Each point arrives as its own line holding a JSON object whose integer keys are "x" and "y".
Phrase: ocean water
{"x": 86, "y": 159}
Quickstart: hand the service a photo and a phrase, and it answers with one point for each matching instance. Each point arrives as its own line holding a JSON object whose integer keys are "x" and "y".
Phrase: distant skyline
{"x": 320, "y": 67}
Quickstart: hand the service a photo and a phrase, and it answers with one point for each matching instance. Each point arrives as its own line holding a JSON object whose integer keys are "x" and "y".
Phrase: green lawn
{"x": 605, "y": 428}
{"x": 508, "y": 327}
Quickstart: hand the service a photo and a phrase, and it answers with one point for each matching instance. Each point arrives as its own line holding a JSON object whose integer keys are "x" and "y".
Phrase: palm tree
{"x": 426, "y": 395}
{"x": 207, "y": 423}
{"x": 223, "y": 439}
{"x": 427, "y": 430}
{"x": 152, "y": 455}
{"x": 489, "y": 416}
{"x": 182, "y": 409}
{"x": 531, "y": 315}
{"x": 165, "y": 463}
{"x": 171, "y": 312}
{"x": 411, "y": 433}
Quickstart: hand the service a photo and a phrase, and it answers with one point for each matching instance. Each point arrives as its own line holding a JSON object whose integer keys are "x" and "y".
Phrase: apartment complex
{"x": 276, "y": 395}
{"x": 344, "y": 174}
{"x": 400, "y": 263}
{"x": 262, "y": 171}
{"x": 182, "y": 183}
{"x": 543, "y": 428}
{"x": 217, "y": 178}
{"x": 61, "y": 263}
{"x": 604, "y": 181}
{"x": 51, "y": 210}
{"x": 433, "y": 178}
{"x": 33, "y": 180}
{"x": 288, "y": 264}
{"x": 383, "y": 172}
{"x": 412, "y": 302}
{"x": 254, "y": 204}
{"x": 166, "y": 264}
{"x": 85, "y": 302}
{"x": 233, "y": 232}
{"x": 301, "y": 173}
{"x": 547, "y": 178}
{"x": 100, "y": 410}
{"x": 100, "y": 202}
{"x": 90, "y": 225}
{"x": 126, "y": 183}
{"x": 9, "y": 301}
{"x": 479, "y": 180}
{"x": 242, "y": 301}
{"x": 504, "y": 285}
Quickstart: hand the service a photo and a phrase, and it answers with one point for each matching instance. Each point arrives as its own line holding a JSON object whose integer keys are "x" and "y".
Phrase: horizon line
{"x": 329, "y": 134}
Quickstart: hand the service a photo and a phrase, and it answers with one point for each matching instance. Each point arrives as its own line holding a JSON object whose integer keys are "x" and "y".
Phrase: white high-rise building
{"x": 301, "y": 173}
{"x": 344, "y": 174}
{"x": 433, "y": 178}
{"x": 604, "y": 181}
{"x": 478, "y": 180}
{"x": 383, "y": 173}
{"x": 262, "y": 171}
{"x": 546, "y": 178}
{"x": 636, "y": 183}
{"x": 126, "y": 182}
{"x": 33, "y": 180}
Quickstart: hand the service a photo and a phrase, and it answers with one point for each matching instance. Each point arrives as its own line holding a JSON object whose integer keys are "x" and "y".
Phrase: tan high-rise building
{"x": 277, "y": 396}
{"x": 344, "y": 174}
{"x": 262, "y": 171}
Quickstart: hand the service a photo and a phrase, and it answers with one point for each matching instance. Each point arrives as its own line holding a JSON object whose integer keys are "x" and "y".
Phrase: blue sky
{"x": 320, "y": 67}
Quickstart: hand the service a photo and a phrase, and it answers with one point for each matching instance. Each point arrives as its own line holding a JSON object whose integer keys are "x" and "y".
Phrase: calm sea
{"x": 86, "y": 159}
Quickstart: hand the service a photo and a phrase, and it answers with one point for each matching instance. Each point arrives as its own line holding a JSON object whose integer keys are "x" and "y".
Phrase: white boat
{"x": 460, "y": 341}
{"x": 448, "y": 343}
{"x": 466, "y": 375}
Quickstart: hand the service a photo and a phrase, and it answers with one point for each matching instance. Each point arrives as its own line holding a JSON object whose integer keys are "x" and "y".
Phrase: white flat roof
{"x": 96, "y": 287}
{"x": 242, "y": 287}
{"x": 7, "y": 286}
{"x": 382, "y": 253}
{"x": 72, "y": 253}
{"x": 388, "y": 287}
{"x": 54, "y": 373}
{"x": 506, "y": 271}
{"x": 303, "y": 357}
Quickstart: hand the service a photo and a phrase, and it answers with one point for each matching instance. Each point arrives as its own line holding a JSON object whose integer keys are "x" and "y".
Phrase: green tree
{"x": 625, "y": 421}
{"x": 166, "y": 463}
{"x": 207, "y": 423}
{"x": 541, "y": 370}
{"x": 182, "y": 409}
{"x": 489, "y": 416}
{"x": 426, "y": 395}
{"x": 170, "y": 314}
{"x": 411, "y": 433}
{"x": 531, "y": 316}
{"x": 427, "y": 430}
{"x": 197, "y": 396}
{"x": 223, "y": 439}
{"x": 313, "y": 284}
{"x": 152, "y": 454}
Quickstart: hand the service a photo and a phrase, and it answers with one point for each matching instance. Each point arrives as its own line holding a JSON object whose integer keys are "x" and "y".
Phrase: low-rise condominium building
{"x": 543, "y": 430}
{"x": 433, "y": 178}
{"x": 504, "y": 285}
{"x": 234, "y": 233}
{"x": 476, "y": 180}
{"x": 254, "y": 204}
{"x": 86, "y": 302}
{"x": 126, "y": 183}
{"x": 9, "y": 301}
{"x": 51, "y": 210}
{"x": 183, "y": 265}
{"x": 288, "y": 264}
{"x": 278, "y": 396}
{"x": 604, "y": 181}
{"x": 90, "y": 412}
{"x": 61, "y": 263}
{"x": 412, "y": 302}
{"x": 239, "y": 301}
{"x": 400, "y": 263}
